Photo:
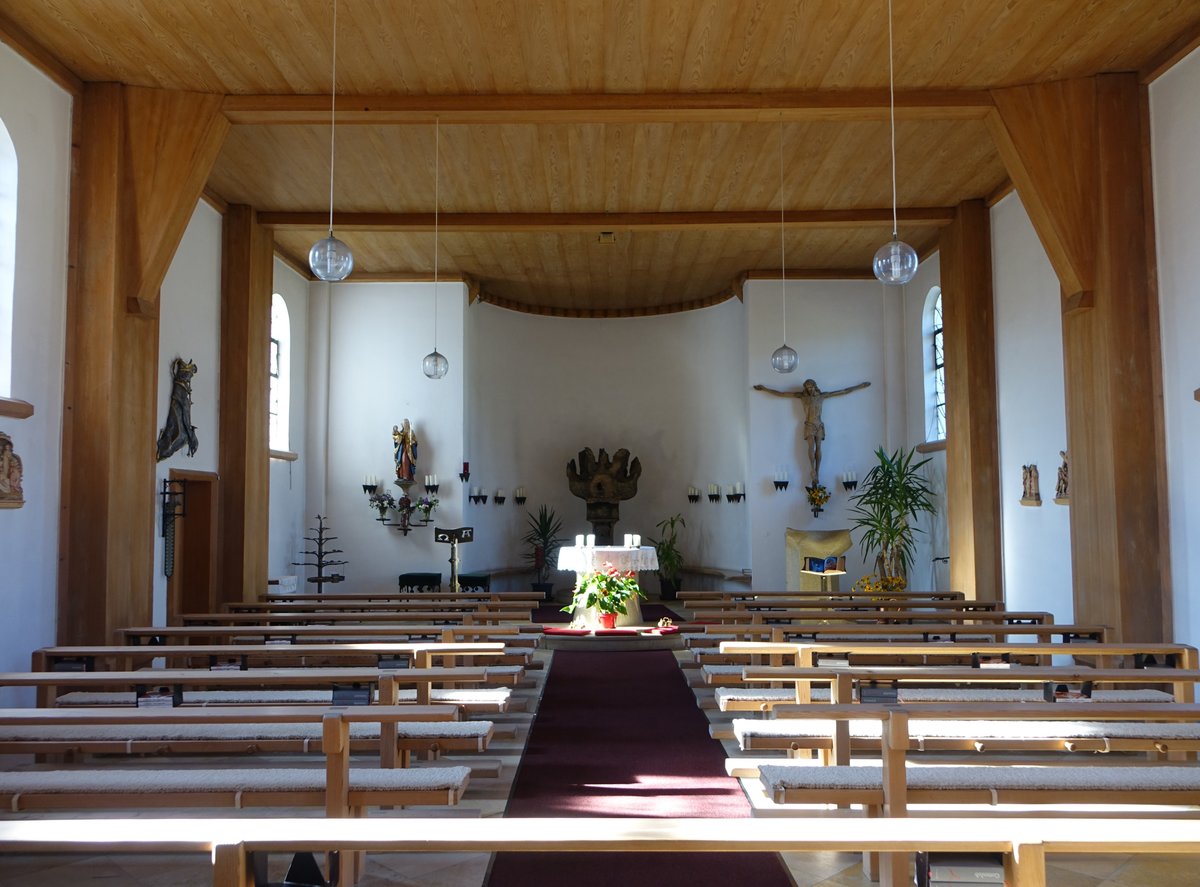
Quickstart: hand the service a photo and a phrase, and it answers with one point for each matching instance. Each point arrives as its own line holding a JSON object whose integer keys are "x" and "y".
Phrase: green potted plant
{"x": 670, "y": 559}
{"x": 543, "y": 540}
{"x": 608, "y": 591}
{"x": 888, "y": 502}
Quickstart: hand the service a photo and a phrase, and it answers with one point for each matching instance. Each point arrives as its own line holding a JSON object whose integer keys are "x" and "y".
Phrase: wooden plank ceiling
{"x": 564, "y": 119}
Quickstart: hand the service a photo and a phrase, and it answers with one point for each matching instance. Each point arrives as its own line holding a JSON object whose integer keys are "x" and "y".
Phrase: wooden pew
{"x": 743, "y": 594}
{"x": 713, "y": 635}
{"x": 230, "y": 846}
{"x": 797, "y": 617}
{"x": 390, "y": 594}
{"x": 890, "y": 790}
{"x": 471, "y": 616}
{"x": 157, "y": 634}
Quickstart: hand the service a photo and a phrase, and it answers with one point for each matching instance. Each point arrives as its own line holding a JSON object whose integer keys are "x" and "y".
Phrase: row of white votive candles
{"x": 781, "y": 475}
{"x": 431, "y": 480}
{"x": 715, "y": 489}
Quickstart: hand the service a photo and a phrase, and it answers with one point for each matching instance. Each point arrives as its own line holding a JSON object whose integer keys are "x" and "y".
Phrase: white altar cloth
{"x": 585, "y": 560}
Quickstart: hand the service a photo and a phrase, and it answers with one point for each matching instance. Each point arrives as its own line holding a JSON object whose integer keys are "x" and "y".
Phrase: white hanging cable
{"x": 435, "y": 364}
{"x": 892, "y": 117}
{"x": 332, "y": 114}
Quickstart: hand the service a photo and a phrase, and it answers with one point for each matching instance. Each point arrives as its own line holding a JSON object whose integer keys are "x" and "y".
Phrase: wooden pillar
{"x": 246, "y": 279}
{"x": 972, "y": 446}
{"x": 141, "y": 159}
{"x": 1078, "y": 153}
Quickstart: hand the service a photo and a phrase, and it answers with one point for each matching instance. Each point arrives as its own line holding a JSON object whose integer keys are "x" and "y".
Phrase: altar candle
{"x": 466, "y": 468}
{"x": 637, "y": 541}
{"x": 591, "y": 540}
{"x": 628, "y": 540}
{"x": 579, "y": 541}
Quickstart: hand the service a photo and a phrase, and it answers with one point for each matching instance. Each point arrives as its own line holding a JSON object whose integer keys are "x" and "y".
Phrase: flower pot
{"x": 608, "y": 620}
{"x": 668, "y": 588}
{"x": 546, "y": 589}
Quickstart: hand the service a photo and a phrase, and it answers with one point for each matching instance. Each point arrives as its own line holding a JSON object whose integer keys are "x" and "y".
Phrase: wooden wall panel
{"x": 1119, "y": 547}
{"x": 246, "y": 278}
{"x": 130, "y": 163}
{"x": 972, "y": 445}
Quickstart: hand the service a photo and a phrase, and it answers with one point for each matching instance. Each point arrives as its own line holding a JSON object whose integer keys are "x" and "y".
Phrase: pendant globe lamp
{"x": 783, "y": 358}
{"x": 330, "y": 259}
{"x": 895, "y": 262}
{"x": 435, "y": 365}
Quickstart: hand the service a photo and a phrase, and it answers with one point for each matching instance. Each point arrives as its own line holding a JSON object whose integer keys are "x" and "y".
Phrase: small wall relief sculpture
{"x": 179, "y": 429}
{"x": 1030, "y": 494}
{"x": 1062, "y": 490}
{"x": 11, "y": 471}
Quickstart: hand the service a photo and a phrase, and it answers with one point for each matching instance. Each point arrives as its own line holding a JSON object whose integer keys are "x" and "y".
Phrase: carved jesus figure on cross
{"x": 812, "y": 398}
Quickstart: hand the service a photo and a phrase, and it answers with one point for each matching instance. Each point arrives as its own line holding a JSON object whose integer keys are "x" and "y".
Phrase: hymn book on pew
{"x": 825, "y": 564}
{"x": 934, "y": 869}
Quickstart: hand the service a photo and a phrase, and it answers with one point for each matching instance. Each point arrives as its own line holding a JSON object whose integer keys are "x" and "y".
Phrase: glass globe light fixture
{"x": 330, "y": 259}
{"x": 895, "y": 262}
{"x": 435, "y": 365}
{"x": 784, "y": 359}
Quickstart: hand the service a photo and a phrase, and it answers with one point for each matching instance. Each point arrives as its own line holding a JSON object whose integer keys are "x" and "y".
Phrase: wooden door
{"x": 192, "y": 586}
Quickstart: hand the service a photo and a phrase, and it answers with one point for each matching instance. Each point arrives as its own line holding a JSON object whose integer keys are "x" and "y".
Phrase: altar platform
{"x": 627, "y": 637}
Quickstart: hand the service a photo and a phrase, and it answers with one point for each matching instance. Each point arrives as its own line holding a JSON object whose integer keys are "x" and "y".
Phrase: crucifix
{"x": 812, "y": 398}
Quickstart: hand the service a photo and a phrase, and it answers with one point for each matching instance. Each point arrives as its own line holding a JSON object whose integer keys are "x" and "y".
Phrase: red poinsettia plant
{"x": 608, "y": 590}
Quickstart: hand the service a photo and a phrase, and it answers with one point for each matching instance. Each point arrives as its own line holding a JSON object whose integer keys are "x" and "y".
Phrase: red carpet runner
{"x": 619, "y": 734}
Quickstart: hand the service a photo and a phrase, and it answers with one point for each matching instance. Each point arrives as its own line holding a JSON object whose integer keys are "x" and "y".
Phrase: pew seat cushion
{"x": 247, "y": 732}
{"x": 749, "y": 728}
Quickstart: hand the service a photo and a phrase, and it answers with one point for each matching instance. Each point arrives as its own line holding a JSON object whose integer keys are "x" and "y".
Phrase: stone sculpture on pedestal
{"x": 603, "y": 483}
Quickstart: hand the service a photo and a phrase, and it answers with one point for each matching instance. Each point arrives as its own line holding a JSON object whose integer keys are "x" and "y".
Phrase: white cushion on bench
{"x": 249, "y": 732}
{"x": 939, "y": 694}
{"x": 947, "y": 729}
{"x": 498, "y": 696}
{"x": 260, "y": 779}
{"x": 778, "y": 777}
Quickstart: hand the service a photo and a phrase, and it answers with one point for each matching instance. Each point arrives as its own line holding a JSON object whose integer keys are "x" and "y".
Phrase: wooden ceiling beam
{"x": 707, "y": 107}
{"x": 13, "y": 35}
{"x": 557, "y": 222}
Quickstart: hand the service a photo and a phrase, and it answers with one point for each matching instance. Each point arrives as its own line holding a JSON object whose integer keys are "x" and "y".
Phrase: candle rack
{"x": 693, "y": 497}
{"x": 479, "y": 498}
{"x": 734, "y": 497}
{"x": 781, "y": 485}
{"x": 519, "y": 500}
{"x": 432, "y": 489}
{"x": 498, "y": 499}
{"x": 714, "y": 497}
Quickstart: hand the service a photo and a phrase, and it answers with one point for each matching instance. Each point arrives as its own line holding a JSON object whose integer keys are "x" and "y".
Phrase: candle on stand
{"x": 579, "y": 541}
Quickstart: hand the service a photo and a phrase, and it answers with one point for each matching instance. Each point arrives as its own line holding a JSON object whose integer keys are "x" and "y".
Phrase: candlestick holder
{"x": 498, "y": 499}
{"x": 734, "y": 497}
{"x": 432, "y": 488}
{"x": 714, "y": 497}
{"x": 370, "y": 489}
{"x": 519, "y": 500}
{"x": 479, "y": 498}
{"x": 849, "y": 485}
{"x": 693, "y": 497}
{"x": 781, "y": 485}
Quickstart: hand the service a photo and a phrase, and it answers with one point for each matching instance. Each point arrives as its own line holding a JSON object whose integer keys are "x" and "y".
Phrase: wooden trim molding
{"x": 283, "y": 456}
{"x": 11, "y": 408}
{"x": 38, "y": 56}
{"x": 931, "y": 446}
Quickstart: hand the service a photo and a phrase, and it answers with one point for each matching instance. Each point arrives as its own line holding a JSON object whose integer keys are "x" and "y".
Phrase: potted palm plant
{"x": 670, "y": 559}
{"x": 888, "y": 502}
{"x": 543, "y": 541}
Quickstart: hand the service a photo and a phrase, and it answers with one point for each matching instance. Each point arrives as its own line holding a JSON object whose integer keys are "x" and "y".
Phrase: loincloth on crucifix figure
{"x": 812, "y": 398}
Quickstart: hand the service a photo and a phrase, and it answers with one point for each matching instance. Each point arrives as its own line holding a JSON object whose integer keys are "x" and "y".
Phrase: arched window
{"x": 8, "y": 253}
{"x": 935, "y": 368}
{"x": 281, "y": 374}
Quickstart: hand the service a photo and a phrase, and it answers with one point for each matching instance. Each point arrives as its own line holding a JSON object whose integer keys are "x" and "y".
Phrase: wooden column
{"x": 141, "y": 159}
{"x": 246, "y": 279}
{"x": 1078, "y": 153}
{"x": 972, "y": 447}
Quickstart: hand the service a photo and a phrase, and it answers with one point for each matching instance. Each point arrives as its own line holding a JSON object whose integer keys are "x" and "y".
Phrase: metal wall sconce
{"x": 499, "y": 497}
{"x": 737, "y": 492}
{"x": 465, "y": 474}
{"x": 714, "y": 492}
{"x": 174, "y": 506}
{"x": 781, "y": 480}
{"x": 693, "y": 494}
{"x": 849, "y": 481}
{"x": 519, "y": 496}
{"x": 479, "y": 496}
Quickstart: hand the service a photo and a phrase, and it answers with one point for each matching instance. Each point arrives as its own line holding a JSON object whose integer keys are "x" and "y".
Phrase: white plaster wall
{"x": 1175, "y": 140}
{"x": 37, "y": 115}
{"x": 845, "y": 332}
{"x": 377, "y": 334}
{"x": 1031, "y": 404}
{"x": 672, "y": 390}
{"x": 288, "y": 520}
{"x": 189, "y": 327}
{"x": 933, "y": 540}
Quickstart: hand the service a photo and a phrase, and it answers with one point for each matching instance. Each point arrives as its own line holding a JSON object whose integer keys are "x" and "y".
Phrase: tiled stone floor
{"x": 486, "y": 797}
